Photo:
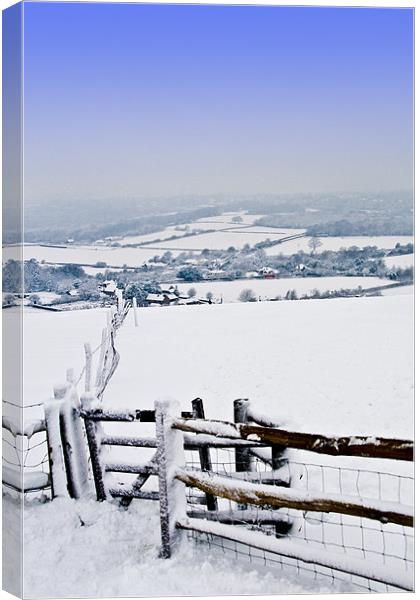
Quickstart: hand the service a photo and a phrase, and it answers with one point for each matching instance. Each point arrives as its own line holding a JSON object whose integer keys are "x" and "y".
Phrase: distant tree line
{"x": 396, "y": 225}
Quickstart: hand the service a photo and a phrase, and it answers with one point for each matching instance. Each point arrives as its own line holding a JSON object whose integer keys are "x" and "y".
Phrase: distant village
{"x": 163, "y": 295}
{"x": 163, "y": 280}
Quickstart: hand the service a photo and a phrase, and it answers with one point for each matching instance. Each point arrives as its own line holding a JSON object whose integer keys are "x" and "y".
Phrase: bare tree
{"x": 314, "y": 243}
{"x": 192, "y": 292}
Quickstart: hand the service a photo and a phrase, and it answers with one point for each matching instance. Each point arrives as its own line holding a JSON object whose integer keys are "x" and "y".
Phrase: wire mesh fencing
{"x": 380, "y": 543}
{"x": 25, "y": 456}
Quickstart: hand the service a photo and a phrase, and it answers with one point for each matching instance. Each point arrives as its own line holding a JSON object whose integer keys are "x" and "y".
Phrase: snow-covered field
{"x": 350, "y": 359}
{"x": 341, "y": 366}
{"x": 95, "y": 270}
{"x": 89, "y": 255}
{"x": 180, "y": 230}
{"x": 53, "y": 342}
{"x": 403, "y": 261}
{"x": 115, "y": 554}
{"x": 168, "y": 232}
{"x": 224, "y": 239}
{"x": 229, "y": 291}
{"x": 255, "y": 350}
{"x": 397, "y": 291}
{"x": 279, "y": 354}
{"x": 335, "y": 243}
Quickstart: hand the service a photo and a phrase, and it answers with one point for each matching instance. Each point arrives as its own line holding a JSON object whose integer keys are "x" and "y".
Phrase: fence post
{"x": 54, "y": 443}
{"x": 74, "y": 448}
{"x": 94, "y": 448}
{"x": 204, "y": 453}
{"x": 278, "y": 460}
{"x": 170, "y": 456}
{"x": 136, "y": 322}
{"x": 243, "y": 458}
{"x": 120, "y": 305}
{"x": 62, "y": 392}
{"x": 88, "y": 367}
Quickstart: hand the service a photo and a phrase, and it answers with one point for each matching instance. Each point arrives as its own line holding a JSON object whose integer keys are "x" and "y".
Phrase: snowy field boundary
{"x": 240, "y": 482}
{"x": 48, "y": 454}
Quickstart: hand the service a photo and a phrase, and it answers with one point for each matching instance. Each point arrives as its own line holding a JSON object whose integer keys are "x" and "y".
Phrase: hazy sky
{"x": 139, "y": 100}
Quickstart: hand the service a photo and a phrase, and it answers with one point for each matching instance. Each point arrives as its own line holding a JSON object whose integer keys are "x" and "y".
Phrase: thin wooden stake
{"x": 99, "y": 370}
{"x": 88, "y": 371}
{"x": 136, "y": 322}
{"x": 278, "y": 460}
{"x": 120, "y": 303}
{"x": 243, "y": 458}
{"x": 204, "y": 453}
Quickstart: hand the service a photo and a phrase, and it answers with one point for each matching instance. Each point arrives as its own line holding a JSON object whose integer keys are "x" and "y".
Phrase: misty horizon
{"x": 161, "y": 100}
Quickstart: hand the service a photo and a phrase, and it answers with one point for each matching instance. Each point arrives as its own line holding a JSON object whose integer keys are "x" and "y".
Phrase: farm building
{"x": 108, "y": 287}
{"x": 163, "y": 299}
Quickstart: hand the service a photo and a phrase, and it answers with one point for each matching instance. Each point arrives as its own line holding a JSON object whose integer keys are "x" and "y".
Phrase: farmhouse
{"x": 108, "y": 287}
{"x": 267, "y": 273}
{"x": 162, "y": 299}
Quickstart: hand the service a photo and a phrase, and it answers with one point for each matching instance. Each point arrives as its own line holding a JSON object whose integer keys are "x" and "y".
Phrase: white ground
{"x": 179, "y": 230}
{"x": 89, "y": 255}
{"x": 403, "y": 261}
{"x": 397, "y": 291}
{"x": 222, "y": 240}
{"x": 115, "y": 554}
{"x": 333, "y": 366}
{"x": 229, "y": 291}
{"x": 95, "y": 270}
{"x": 168, "y": 232}
{"x": 350, "y": 359}
{"x": 53, "y": 342}
{"x": 335, "y": 243}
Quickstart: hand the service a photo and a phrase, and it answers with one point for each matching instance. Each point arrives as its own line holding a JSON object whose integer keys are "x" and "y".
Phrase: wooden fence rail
{"x": 247, "y": 489}
{"x": 362, "y": 446}
{"x": 252, "y": 437}
{"x": 280, "y": 497}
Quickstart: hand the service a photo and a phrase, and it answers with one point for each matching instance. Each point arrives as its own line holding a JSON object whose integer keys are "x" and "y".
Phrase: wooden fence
{"x": 233, "y": 499}
{"x": 252, "y": 437}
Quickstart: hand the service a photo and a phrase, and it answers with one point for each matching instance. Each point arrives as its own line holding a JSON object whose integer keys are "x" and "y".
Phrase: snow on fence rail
{"x": 253, "y": 489}
{"x": 49, "y": 453}
{"x": 383, "y": 527}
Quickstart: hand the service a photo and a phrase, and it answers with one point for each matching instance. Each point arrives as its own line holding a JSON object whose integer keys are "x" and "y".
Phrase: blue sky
{"x": 138, "y": 100}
